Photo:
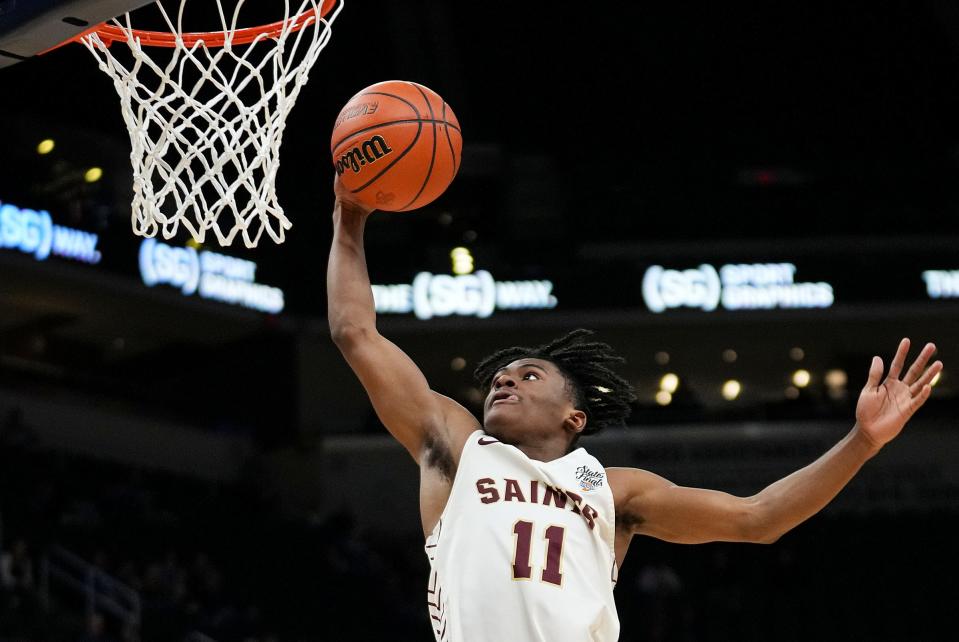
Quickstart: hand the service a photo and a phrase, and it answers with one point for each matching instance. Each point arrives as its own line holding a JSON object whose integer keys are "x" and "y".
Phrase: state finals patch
{"x": 588, "y": 479}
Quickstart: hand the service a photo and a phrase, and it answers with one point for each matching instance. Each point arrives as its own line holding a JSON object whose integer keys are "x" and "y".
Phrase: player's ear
{"x": 575, "y": 421}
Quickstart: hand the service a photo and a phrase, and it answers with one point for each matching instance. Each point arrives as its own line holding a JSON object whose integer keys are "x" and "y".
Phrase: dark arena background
{"x": 748, "y": 202}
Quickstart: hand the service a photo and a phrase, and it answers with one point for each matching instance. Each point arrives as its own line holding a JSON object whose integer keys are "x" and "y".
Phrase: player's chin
{"x": 499, "y": 416}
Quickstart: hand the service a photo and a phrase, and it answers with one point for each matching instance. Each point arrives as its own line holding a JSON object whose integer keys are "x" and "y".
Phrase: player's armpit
{"x": 648, "y": 504}
{"x": 400, "y": 394}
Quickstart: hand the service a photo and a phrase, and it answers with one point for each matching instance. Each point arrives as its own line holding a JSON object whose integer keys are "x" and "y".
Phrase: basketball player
{"x": 524, "y": 531}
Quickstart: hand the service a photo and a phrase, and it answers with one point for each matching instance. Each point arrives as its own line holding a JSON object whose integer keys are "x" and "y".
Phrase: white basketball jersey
{"x": 524, "y": 550}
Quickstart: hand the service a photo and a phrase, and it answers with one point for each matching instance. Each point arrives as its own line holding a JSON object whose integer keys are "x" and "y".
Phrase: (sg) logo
{"x": 369, "y": 151}
{"x": 163, "y": 264}
{"x": 734, "y": 286}
{"x": 693, "y": 288}
{"x": 29, "y": 231}
{"x": 33, "y": 232}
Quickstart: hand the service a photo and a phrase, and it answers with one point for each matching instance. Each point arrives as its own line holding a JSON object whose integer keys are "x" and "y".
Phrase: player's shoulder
{"x": 628, "y": 483}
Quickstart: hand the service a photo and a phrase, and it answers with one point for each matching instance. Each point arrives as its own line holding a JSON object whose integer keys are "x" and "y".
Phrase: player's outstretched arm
{"x": 398, "y": 390}
{"x": 650, "y": 505}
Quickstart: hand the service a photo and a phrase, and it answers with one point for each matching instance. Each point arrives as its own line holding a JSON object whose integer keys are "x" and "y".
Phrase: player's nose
{"x": 503, "y": 380}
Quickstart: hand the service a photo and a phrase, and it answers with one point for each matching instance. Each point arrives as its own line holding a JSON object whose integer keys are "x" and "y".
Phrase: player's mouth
{"x": 504, "y": 396}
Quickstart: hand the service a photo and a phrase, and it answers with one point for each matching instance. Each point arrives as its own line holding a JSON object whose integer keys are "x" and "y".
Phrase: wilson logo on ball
{"x": 369, "y": 151}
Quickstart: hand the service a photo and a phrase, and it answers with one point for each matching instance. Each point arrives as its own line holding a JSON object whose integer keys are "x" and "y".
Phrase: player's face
{"x": 527, "y": 397}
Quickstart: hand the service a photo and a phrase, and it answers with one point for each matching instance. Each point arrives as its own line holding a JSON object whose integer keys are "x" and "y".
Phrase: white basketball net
{"x": 206, "y": 126}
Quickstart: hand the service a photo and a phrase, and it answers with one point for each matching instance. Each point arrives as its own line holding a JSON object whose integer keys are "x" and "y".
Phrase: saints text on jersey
{"x": 539, "y": 493}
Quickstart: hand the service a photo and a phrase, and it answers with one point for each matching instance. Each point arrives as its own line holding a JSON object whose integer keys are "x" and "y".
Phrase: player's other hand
{"x": 885, "y": 405}
{"x": 346, "y": 200}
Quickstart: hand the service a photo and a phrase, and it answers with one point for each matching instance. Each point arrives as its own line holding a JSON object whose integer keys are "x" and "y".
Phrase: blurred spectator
{"x": 725, "y": 598}
{"x": 661, "y": 588}
{"x": 16, "y": 568}
{"x": 96, "y": 630}
{"x": 19, "y": 608}
{"x": 14, "y": 433}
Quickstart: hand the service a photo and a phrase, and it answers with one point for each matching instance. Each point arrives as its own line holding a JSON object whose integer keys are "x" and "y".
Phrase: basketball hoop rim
{"x": 109, "y": 33}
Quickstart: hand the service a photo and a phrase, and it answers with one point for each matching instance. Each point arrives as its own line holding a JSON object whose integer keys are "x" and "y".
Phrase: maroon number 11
{"x": 524, "y": 536}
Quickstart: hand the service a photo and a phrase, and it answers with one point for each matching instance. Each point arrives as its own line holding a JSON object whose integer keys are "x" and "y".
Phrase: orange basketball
{"x": 396, "y": 145}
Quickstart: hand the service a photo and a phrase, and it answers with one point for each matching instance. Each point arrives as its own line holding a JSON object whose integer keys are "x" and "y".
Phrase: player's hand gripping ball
{"x": 396, "y": 146}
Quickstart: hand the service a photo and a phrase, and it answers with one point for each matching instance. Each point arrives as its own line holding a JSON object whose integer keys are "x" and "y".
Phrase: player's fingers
{"x": 897, "y": 361}
{"x": 917, "y": 367}
{"x": 920, "y": 399}
{"x": 875, "y": 373}
{"x": 926, "y": 378}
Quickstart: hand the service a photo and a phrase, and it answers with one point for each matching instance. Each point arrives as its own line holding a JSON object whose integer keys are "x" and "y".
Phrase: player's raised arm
{"x": 650, "y": 505}
{"x": 399, "y": 391}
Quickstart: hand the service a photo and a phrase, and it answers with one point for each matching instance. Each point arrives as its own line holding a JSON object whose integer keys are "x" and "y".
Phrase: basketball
{"x": 396, "y": 145}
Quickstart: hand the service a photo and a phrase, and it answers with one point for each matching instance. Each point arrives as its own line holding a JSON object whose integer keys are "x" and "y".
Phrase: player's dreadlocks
{"x": 596, "y": 390}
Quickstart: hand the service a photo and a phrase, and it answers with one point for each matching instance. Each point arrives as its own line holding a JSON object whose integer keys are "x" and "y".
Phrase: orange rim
{"x": 111, "y": 33}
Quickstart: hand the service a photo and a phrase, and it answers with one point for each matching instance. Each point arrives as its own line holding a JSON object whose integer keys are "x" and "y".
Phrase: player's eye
{"x": 530, "y": 374}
